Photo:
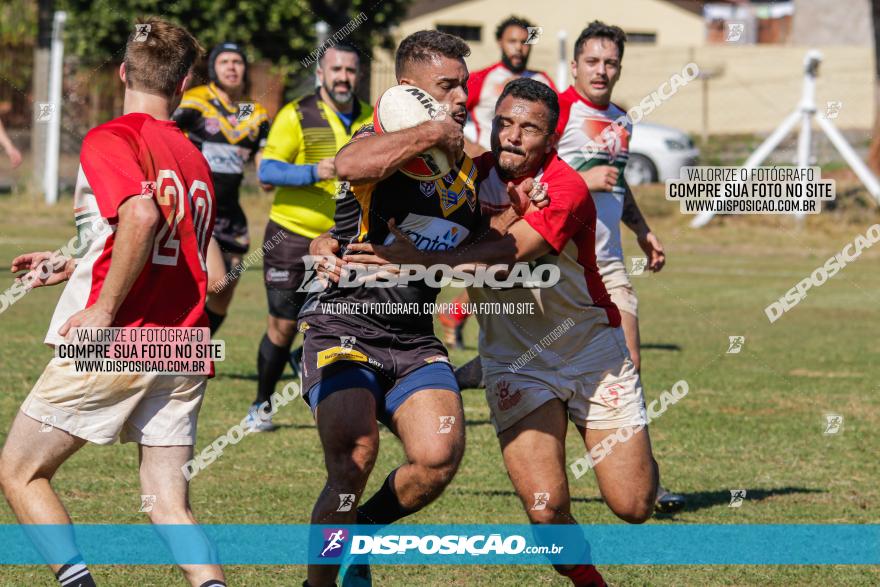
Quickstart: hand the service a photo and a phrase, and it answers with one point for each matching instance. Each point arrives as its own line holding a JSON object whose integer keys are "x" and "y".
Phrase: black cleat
{"x": 668, "y": 503}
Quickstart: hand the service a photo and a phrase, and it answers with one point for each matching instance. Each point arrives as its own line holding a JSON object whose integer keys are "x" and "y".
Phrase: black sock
{"x": 470, "y": 375}
{"x": 213, "y": 583}
{"x": 75, "y": 574}
{"x": 271, "y": 360}
{"x": 214, "y": 319}
{"x": 383, "y": 508}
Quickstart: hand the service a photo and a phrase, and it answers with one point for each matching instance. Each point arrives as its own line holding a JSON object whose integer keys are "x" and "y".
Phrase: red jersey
{"x": 136, "y": 155}
{"x": 568, "y": 225}
{"x": 484, "y": 88}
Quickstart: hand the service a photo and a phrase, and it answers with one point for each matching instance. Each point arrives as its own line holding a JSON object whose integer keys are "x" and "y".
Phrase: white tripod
{"x": 805, "y": 113}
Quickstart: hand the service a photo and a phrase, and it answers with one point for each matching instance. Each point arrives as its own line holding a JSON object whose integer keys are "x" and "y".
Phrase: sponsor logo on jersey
{"x": 437, "y": 359}
{"x": 212, "y": 126}
{"x": 611, "y": 138}
{"x": 428, "y": 188}
{"x": 610, "y": 396}
{"x": 338, "y": 353}
{"x": 430, "y": 233}
{"x": 277, "y": 275}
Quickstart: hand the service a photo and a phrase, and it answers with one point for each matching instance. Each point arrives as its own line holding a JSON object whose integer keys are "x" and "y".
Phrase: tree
{"x": 282, "y": 32}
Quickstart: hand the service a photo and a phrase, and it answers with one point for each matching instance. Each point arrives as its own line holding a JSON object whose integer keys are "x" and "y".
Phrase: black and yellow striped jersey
{"x": 227, "y": 134}
{"x": 436, "y": 215}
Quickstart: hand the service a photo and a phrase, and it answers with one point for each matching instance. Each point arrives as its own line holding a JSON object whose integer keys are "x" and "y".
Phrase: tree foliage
{"x": 282, "y": 32}
{"x": 18, "y": 22}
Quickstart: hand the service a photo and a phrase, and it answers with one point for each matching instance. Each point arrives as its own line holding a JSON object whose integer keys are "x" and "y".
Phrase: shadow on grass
{"x": 699, "y": 500}
{"x": 694, "y": 501}
{"x": 511, "y": 493}
{"x": 660, "y": 346}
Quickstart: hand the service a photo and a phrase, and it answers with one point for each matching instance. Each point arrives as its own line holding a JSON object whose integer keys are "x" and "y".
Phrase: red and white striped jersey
{"x": 582, "y": 122}
{"x": 484, "y": 87}
{"x": 136, "y": 155}
{"x": 568, "y": 225}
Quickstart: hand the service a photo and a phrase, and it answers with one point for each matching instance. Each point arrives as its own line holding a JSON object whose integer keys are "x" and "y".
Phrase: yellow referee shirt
{"x": 304, "y": 132}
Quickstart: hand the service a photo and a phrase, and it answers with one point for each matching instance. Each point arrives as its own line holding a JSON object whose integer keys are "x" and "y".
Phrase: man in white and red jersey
{"x": 594, "y": 139}
{"x": 485, "y": 85}
{"x": 515, "y": 39}
{"x": 144, "y": 204}
{"x": 583, "y": 372}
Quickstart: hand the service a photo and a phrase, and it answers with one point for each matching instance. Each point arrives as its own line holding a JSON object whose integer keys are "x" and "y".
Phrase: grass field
{"x": 752, "y": 420}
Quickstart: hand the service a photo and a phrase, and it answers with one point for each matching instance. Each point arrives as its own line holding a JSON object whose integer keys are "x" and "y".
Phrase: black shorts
{"x": 230, "y": 227}
{"x": 339, "y": 353}
{"x": 231, "y": 232}
{"x": 284, "y": 270}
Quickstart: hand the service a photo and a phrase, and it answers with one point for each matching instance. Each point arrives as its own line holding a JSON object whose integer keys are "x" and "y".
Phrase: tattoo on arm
{"x": 631, "y": 215}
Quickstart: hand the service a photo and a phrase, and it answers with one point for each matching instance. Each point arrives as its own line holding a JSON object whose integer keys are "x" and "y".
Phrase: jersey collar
{"x": 226, "y": 105}
{"x": 586, "y": 101}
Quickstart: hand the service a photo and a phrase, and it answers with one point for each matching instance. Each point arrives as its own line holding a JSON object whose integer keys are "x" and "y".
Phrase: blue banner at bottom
{"x": 460, "y": 544}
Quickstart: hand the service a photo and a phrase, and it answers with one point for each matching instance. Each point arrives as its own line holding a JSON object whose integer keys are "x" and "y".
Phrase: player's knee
{"x": 8, "y": 476}
{"x": 548, "y": 511}
{"x": 439, "y": 466}
{"x": 635, "y": 509}
{"x": 15, "y": 476}
{"x": 350, "y": 468}
{"x": 281, "y": 331}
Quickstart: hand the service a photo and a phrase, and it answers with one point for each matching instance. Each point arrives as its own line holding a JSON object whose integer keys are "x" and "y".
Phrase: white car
{"x": 657, "y": 153}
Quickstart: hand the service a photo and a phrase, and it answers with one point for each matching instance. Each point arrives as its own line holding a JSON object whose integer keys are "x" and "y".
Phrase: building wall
{"x": 755, "y": 88}
{"x": 674, "y": 26}
{"x": 832, "y": 22}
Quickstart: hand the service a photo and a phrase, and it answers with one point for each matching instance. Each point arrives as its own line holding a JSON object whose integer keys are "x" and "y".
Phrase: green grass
{"x": 752, "y": 420}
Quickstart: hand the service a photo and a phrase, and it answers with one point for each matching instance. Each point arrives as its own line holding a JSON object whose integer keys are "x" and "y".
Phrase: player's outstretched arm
{"x": 138, "y": 219}
{"x": 374, "y": 157}
{"x": 521, "y": 242}
{"x": 633, "y": 218}
{"x": 43, "y": 268}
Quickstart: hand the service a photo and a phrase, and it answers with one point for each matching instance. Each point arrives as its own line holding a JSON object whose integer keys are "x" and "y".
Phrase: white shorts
{"x": 617, "y": 283}
{"x": 152, "y": 409}
{"x": 601, "y": 388}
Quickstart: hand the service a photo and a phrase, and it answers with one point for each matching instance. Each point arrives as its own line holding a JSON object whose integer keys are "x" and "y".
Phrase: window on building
{"x": 466, "y": 32}
{"x": 649, "y": 38}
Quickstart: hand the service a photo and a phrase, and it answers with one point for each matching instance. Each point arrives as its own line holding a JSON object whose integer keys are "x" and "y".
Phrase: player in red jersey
{"x": 144, "y": 206}
{"x": 515, "y": 38}
{"x": 584, "y": 375}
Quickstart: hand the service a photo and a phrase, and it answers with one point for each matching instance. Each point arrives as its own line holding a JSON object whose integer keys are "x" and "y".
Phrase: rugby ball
{"x": 405, "y": 106}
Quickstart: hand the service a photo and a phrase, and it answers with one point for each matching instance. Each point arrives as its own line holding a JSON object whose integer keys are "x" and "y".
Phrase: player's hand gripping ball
{"x": 402, "y": 107}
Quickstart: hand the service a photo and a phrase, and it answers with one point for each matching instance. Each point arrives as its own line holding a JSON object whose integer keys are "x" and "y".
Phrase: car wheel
{"x": 639, "y": 169}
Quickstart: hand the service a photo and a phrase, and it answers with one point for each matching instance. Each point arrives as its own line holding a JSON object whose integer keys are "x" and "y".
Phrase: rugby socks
{"x": 470, "y": 375}
{"x": 75, "y": 574}
{"x": 383, "y": 508}
{"x": 213, "y": 583}
{"x": 214, "y": 319}
{"x": 271, "y": 360}
{"x": 582, "y": 575}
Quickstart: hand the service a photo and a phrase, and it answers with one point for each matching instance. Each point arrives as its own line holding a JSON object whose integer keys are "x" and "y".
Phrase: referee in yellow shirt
{"x": 298, "y": 160}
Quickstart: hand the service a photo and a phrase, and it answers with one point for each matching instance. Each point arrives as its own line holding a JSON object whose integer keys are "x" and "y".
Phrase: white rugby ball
{"x": 405, "y": 106}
